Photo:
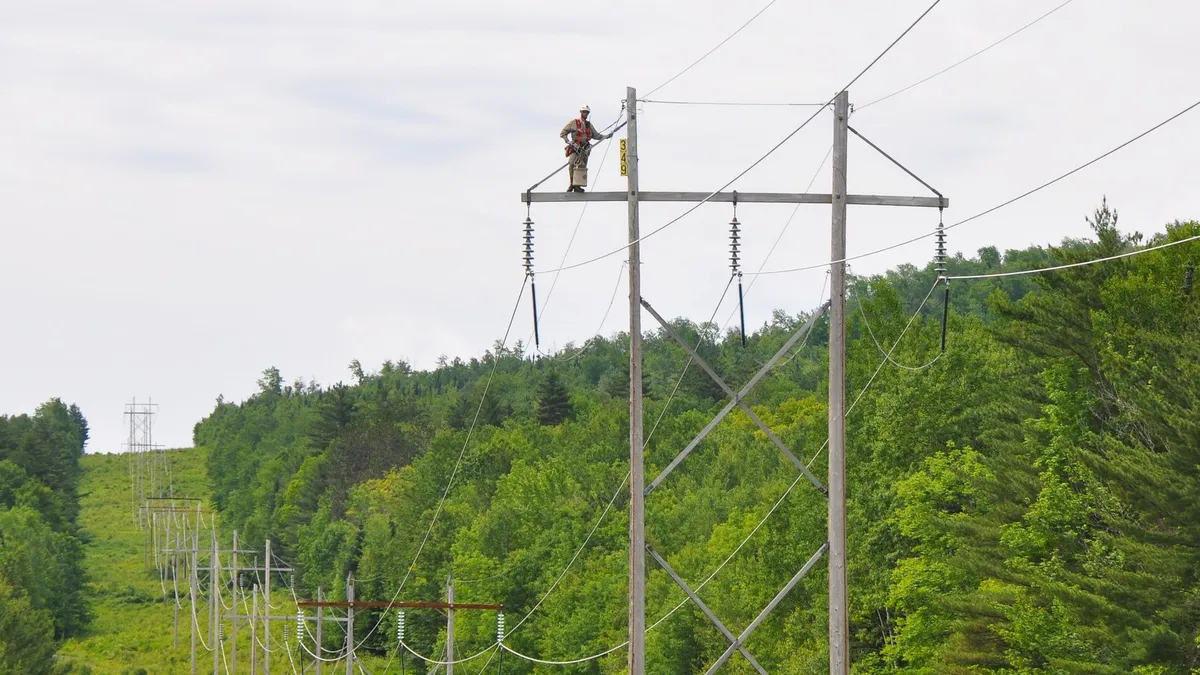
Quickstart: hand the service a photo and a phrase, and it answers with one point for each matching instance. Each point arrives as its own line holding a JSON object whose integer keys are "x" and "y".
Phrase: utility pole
{"x": 839, "y": 627}
{"x": 839, "y": 199}
{"x": 450, "y": 624}
{"x": 237, "y": 582}
{"x": 320, "y": 598}
{"x": 254, "y": 632}
{"x": 175, "y": 583}
{"x": 350, "y": 624}
{"x": 214, "y": 587}
{"x": 637, "y": 478}
{"x": 267, "y": 611}
{"x": 192, "y": 581}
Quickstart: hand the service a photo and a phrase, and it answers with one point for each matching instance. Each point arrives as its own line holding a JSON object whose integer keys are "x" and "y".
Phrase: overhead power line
{"x": 1078, "y": 264}
{"x": 758, "y": 161}
{"x": 458, "y": 462}
{"x": 710, "y": 52}
{"x": 996, "y": 207}
{"x": 736, "y": 103}
{"x": 959, "y": 63}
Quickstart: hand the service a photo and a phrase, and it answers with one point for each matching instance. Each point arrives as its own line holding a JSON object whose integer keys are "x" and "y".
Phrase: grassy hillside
{"x": 133, "y": 624}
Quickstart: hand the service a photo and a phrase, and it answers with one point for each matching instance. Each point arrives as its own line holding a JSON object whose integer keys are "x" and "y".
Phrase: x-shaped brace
{"x": 736, "y": 398}
{"x": 738, "y": 643}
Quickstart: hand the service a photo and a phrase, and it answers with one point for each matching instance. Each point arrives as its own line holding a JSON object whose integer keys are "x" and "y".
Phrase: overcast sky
{"x": 193, "y": 192}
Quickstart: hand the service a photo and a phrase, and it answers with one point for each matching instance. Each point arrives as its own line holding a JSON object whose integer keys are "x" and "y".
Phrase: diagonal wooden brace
{"x": 704, "y": 608}
{"x": 769, "y": 608}
{"x": 736, "y": 399}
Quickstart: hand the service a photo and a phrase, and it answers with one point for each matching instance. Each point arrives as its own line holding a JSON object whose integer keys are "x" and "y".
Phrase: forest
{"x": 1027, "y": 501}
{"x": 42, "y": 600}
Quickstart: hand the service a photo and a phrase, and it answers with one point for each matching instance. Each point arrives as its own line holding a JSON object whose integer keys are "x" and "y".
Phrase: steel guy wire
{"x": 758, "y": 161}
{"x": 710, "y": 52}
{"x": 994, "y": 208}
{"x": 1078, "y": 264}
{"x": 959, "y": 63}
{"x": 457, "y": 464}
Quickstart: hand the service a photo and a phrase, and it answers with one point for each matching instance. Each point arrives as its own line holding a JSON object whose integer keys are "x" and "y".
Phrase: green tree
{"x": 554, "y": 403}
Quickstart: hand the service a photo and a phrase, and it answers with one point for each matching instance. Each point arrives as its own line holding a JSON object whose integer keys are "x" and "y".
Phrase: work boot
{"x": 577, "y": 188}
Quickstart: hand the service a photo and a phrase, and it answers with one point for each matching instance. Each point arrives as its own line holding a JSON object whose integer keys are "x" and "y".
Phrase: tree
{"x": 554, "y": 403}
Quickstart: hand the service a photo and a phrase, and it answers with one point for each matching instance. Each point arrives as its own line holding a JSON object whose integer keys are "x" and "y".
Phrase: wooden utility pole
{"x": 637, "y": 478}
{"x": 267, "y": 611}
{"x": 214, "y": 587}
{"x": 192, "y": 581}
{"x": 254, "y": 632}
{"x": 320, "y": 598}
{"x": 237, "y": 582}
{"x": 350, "y": 624}
{"x": 839, "y": 199}
{"x": 449, "y": 624}
{"x": 839, "y": 626}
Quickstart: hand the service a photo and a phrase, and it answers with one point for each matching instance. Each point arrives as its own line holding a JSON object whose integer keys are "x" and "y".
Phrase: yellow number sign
{"x": 624, "y": 166}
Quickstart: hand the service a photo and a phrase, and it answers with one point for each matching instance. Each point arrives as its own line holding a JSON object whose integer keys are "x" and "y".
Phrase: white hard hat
{"x": 584, "y": 108}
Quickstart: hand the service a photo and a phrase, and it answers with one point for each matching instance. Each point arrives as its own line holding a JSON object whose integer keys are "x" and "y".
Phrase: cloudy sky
{"x": 192, "y": 192}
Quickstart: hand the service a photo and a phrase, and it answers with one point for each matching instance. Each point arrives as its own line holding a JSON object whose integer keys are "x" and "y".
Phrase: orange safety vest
{"x": 583, "y": 135}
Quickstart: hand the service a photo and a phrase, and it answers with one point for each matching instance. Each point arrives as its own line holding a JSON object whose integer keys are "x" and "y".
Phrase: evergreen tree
{"x": 554, "y": 405}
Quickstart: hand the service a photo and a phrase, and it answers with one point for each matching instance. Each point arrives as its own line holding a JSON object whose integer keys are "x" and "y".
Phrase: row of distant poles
{"x": 218, "y": 592}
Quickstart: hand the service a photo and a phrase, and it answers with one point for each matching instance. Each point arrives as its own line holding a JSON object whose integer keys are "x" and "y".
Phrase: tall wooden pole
{"x": 839, "y": 627}
{"x": 254, "y": 632}
{"x": 319, "y": 637}
{"x": 237, "y": 582}
{"x": 350, "y": 625}
{"x": 267, "y": 611}
{"x": 450, "y": 624}
{"x": 214, "y": 604}
{"x": 637, "y": 478}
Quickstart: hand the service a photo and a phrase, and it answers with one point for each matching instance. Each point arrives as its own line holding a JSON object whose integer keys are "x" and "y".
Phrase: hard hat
{"x": 584, "y": 108}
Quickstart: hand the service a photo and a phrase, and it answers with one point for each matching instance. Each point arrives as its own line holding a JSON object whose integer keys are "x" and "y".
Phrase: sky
{"x": 192, "y": 192}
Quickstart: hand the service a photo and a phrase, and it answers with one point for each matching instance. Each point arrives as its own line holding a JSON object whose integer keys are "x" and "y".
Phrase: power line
{"x": 735, "y": 103}
{"x": 757, "y": 527}
{"x": 719, "y": 45}
{"x": 1078, "y": 264}
{"x": 994, "y": 208}
{"x": 457, "y": 464}
{"x": 959, "y": 63}
{"x": 760, "y": 160}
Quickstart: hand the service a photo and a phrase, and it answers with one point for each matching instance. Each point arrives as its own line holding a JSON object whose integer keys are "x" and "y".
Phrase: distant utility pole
{"x": 836, "y": 492}
{"x": 450, "y": 624}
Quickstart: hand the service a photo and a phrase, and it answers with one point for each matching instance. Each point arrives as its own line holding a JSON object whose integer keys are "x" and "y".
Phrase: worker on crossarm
{"x": 578, "y": 133}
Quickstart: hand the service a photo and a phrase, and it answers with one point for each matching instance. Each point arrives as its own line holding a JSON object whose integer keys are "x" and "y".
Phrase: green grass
{"x": 132, "y": 631}
{"x": 132, "y": 627}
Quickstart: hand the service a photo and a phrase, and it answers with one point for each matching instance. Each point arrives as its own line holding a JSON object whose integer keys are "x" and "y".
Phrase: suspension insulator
{"x": 500, "y": 627}
{"x": 400, "y": 626}
{"x": 299, "y": 625}
{"x": 528, "y": 245}
{"x": 939, "y": 257}
{"x": 734, "y": 244}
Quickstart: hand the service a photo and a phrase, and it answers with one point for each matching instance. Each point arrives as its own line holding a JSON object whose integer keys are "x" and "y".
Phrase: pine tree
{"x": 554, "y": 405}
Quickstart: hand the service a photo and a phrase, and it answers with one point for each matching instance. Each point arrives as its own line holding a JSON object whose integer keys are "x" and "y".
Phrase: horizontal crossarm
{"x": 736, "y": 397}
{"x": 739, "y": 197}
{"x": 704, "y": 608}
{"x": 769, "y": 608}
